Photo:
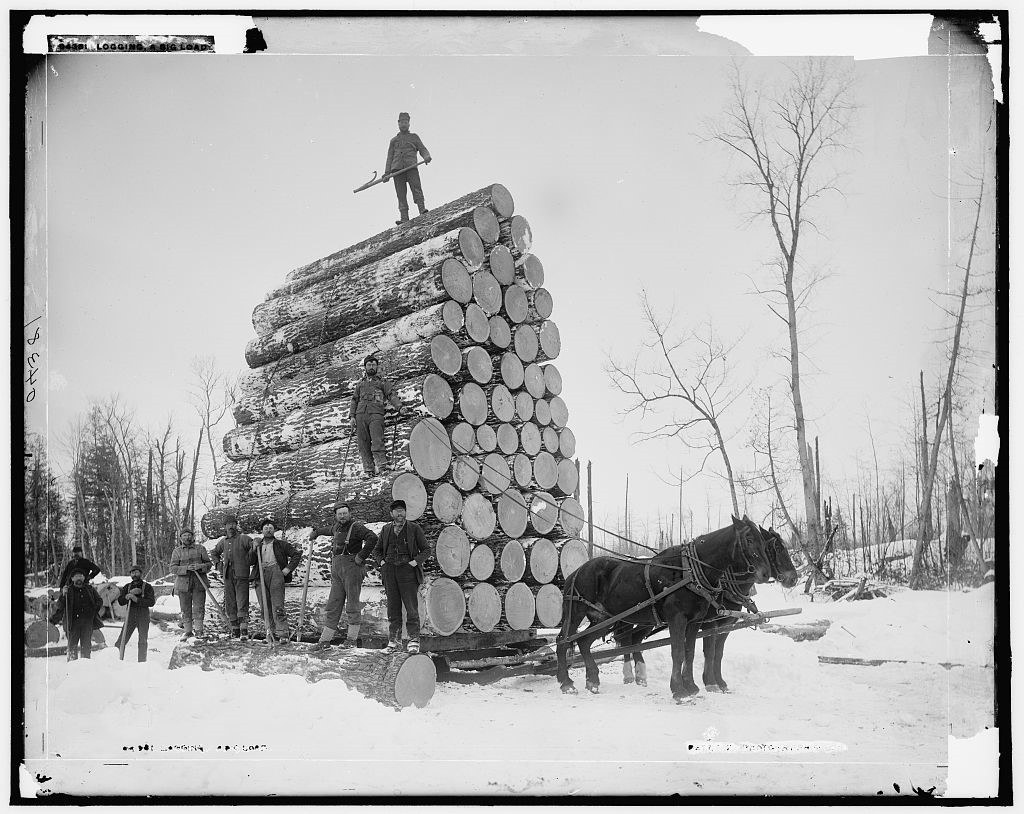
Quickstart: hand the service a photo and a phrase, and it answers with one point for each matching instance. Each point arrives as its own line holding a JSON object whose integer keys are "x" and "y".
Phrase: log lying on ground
{"x": 365, "y": 303}
{"x": 462, "y": 244}
{"x": 394, "y": 679}
{"x": 458, "y": 213}
{"x": 301, "y": 380}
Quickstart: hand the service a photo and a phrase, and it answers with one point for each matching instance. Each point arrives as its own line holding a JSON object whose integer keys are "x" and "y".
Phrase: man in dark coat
{"x": 188, "y": 562}
{"x": 90, "y": 568}
{"x": 279, "y": 559}
{"x": 139, "y": 596}
{"x": 402, "y": 150}
{"x": 234, "y": 557}
{"x": 80, "y": 608}
{"x": 367, "y": 416}
{"x": 401, "y": 550}
{"x": 350, "y": 539}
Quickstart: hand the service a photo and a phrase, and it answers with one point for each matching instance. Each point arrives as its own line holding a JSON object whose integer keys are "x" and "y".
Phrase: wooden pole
{"x": 590, "y": 512}
{"x": 189, "y": 508}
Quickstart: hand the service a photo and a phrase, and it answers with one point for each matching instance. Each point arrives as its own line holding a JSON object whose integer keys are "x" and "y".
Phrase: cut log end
{"x": 520, "y": 606}
{"x": 445, "y": 354}
{"x": 484, "y": 604}
{"x": 512, "y": 513}
{"x": 549, "y": 606}
{"x": 446, "y": 503}
{"x": 503, "y": 405}
{"x": 512, "y": 561}
{"x": 430, "y": 449}
{"x": 570, "y": 516}
{"x": 552, "y": 379}
{"x": 452, "y": 551}
{"x": 443, "y": 606}
{"x": 409, "y": 487}
{"x": 512, "y": 371}
{"x": 500, "y": 332}
{"x": 481, "y": 566}
{"x": 517, "y": 305}
{"x": 457, "y": 280}
{"x": 471, "y": 247}
{"x": 543, "y": 512}
{"x": 478, "y": 325}
{"x": 533, "y": 376}
{"x": 502, "y": 265}
{"x": 415, "y": 682}
{"x": 550, "y": 340}
{"x": 572, "y": 556}
{"x": 567, "y": 443}
{"x": 473, "y": 403}
{"x": 525, "y": 342}
{"x": 437, "y": 396}
{"x": 532, "y": 271}
{"x": 487, "y": 292}
{"x": 478, "y": 518}
{"x": 485, "y": 222}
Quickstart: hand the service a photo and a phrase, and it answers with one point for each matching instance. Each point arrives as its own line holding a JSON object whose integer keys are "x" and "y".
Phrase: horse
{"x": 604, "y": 587}
{"x": 735, "y": 596}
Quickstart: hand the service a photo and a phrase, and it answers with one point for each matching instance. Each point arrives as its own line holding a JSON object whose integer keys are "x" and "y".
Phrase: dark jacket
{"x": 402, "y": 151}
{"x": 360, "y": 542}
{"x": 144, "y": 602}
{"x": 78, "y": 603}
{"x": 234, "y": 554}
{"x": 412, "y": 536}
{"x": 287, "y": 555}
{"x": 369, "y": 395}
{"x": 91, "y": 570}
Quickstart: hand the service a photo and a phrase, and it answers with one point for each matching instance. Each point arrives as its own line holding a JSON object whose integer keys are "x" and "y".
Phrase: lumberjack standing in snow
{"x": 280, "y": 558}
{"x": 90, "y": 568}
{"x": 351, "y": 539}
{"x": 188, "y": 560}
{"x": 80, "y": 608}
{"x": 401, "y": 154}
{"x": 139, "y": 596}
{"x": 367, "y": 412}
{"x": 401, "y": 549}
{"x": 234, "y": 556}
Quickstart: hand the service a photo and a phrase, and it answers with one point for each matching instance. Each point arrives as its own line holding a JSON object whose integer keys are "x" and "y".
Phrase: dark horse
{"x": 607, "y": 586}
{"x": 737, "y": 586}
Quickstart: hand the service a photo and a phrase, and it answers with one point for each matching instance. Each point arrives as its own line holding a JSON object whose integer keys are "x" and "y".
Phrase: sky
{"x": 180, "y": 189}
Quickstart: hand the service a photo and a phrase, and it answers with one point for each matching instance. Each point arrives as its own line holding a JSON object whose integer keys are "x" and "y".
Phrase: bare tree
{"x": 931, "y": 462}
{"x": 685, "y": 384}
{"x": 212, "y": 393}
{"x": 784, "y": 137}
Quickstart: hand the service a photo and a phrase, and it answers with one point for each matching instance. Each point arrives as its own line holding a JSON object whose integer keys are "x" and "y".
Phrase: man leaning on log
{"x": 367, "y": 412}
{"x": 234, "y": 556}
{"x": 351, "y": 539}
{"x": 401, "y": 550}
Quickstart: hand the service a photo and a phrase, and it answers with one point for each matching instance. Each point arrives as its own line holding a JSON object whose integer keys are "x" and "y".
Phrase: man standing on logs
{"x": 367, "y": 412}
{"x": 352, "y": 540}
{"x": 90, "y": 568}
{"x": 234, "y": 557}
{"x": 279, "y": 559}
{"x": 401, "y": 549}
{"x": 188, "y": 560}
{"x": 139, "y": 596}
{"x": 402, "y": 154}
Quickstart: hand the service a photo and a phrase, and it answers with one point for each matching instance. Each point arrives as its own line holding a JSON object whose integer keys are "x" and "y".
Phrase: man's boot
{"x": 413, "y": 646}
{"x": 353, "y": 635}
{"x": 422, "y": 208}
{"x": 403, "y": 216}
{"x": 326, "y": 635}
{"x": 234, "y": 633}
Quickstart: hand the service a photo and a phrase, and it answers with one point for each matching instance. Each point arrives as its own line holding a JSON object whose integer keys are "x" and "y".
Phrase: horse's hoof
{"x": 712, "y": 688}
{"x": 683, "y": 699}
{"x": 569, "y": 690}
{"x": 628, "y": 680}
{"x": 593, "y": 689}
{"x": 641, "y": 682}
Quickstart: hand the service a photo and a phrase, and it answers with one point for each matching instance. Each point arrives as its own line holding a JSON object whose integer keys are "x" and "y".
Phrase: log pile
{"x": 454, "y": 306}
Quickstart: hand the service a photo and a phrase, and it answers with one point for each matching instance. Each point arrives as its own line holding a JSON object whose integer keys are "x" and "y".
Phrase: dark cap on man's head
{"x": 135, "y": 568}
{"x": 78, "y": 571}
{"x": 230, "y": 518}
{"x": 403, "y": 115}
{"x": 371, "y": 358}
{"x": 340, "y": 505}
{"x": 266, "y": 520}
{"x": 397, "y": 504}
{"x": 76, "y": 548}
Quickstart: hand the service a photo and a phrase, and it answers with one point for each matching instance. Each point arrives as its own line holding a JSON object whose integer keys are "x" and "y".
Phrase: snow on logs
{"x": 454, "y": 306}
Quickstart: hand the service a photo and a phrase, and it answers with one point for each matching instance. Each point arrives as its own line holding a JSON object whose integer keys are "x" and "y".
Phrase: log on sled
{"x": 395, "y": 679}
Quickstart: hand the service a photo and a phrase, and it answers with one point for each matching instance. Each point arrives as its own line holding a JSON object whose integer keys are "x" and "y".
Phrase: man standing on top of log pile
{"x": 367, "y": 412}
{"x": 401, "y": 154}
{"x": 139, "y": 596}
{"x": 351, "y": 539}
{"x": 279, "y": 558}
{"x": 89, "y": 568}
{"x": 234, "y": 557}
{"x": 401, "y": 549}
{"x": 187, "y": 561}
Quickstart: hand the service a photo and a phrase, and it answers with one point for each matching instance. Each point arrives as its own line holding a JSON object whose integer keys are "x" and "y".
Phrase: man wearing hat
{"x": 350, "y": 539}
{"x": 279, "y": 559}
{"x": 234, "y": 556}
{"x": 139, "y": 596}
{"x": 188, "y": 561}
{"x": 80, "y": 608}
{"x": 90, "y": 569}
{"x": 401, "y": 550}
{"x": 402, "y": 152}
{"x": 367, "y": 416}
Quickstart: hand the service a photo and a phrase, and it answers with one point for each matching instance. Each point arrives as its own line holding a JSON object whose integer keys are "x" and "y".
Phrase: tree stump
{"x": 396, "y": 680}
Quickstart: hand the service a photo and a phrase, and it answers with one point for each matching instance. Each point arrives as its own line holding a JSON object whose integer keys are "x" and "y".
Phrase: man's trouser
{"x": 138, "y": 619}
{"x": 80, "y": 634}
{"x": 346, "y": 584}
{"x": 236, "y": 603}
{"x": 370, "y": 434}
{"x": 400, "y": 586}
{"x": 193, "y": 606}
{"x": 412, "y": 179}
{"x": 274, "y": 581}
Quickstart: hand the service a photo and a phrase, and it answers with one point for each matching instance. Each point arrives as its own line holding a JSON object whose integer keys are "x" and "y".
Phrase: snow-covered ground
{"x": 791, "y": 725}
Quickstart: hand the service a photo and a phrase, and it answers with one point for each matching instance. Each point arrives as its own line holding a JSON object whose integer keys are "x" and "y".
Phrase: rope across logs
{"x": 397, "y": 680}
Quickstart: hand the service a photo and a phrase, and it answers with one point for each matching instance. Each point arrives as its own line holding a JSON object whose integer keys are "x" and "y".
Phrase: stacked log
{"x": 455, "y": 308}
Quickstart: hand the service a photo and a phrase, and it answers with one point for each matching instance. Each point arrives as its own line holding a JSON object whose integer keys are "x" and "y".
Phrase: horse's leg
{"x": 719, "y": 651}
{"x": 593, "y": 679}
{"x": 711, "y": 657}
{"x": 687, "y": 685}
{"x": 624, "y": 638}
{"x": 677, "y": 633}
{"x": 639, "y": 634}
{"x": 562, "y": 650}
